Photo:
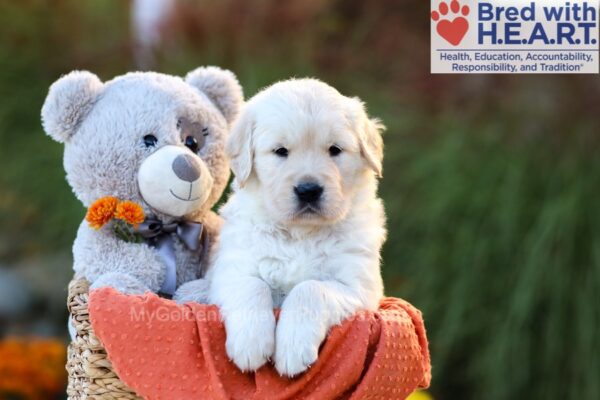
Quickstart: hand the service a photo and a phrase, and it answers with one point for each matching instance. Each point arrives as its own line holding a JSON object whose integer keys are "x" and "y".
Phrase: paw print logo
{"x": 453, "y": 30}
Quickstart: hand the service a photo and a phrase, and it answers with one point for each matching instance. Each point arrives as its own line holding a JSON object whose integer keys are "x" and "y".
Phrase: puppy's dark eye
{"x": 334, "y": 150}
{"x": 281, "y": 152}
{"x": 150, "y": 140}
{"x": 191, "y": 143}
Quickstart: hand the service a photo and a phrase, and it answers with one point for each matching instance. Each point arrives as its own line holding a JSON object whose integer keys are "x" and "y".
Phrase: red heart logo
{"x": 453, "y": 31}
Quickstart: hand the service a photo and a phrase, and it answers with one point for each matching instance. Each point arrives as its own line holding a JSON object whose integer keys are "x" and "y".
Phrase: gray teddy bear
{"x": 157, "y": 140}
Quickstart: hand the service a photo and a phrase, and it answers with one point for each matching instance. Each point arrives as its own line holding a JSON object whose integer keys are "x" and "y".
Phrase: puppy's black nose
{"x": 308, "y": 192}
{"x": 186, "y": 168}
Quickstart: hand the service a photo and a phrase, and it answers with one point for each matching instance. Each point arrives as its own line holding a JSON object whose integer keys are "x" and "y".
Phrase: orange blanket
{"x": 166, "y": 351}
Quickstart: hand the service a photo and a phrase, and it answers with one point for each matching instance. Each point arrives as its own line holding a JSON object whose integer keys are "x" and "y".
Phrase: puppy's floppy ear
{"x": 369, "y": 132}
{"x": 239, "y": 148}
{"x": 221, "y": 87}
{"x": 371, "y": 145}
{"x": 69, "y": 101}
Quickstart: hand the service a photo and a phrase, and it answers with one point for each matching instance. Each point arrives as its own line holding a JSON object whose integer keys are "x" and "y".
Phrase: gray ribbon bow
{"x": 160, "y": 236}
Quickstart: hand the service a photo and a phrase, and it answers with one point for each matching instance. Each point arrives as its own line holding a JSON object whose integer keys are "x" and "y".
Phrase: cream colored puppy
{"x": 304, "y": 227}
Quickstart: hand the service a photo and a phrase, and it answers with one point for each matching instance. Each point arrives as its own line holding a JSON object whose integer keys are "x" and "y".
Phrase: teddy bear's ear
{"x": 69, "y": 100}
{"x": 222, "y": 88}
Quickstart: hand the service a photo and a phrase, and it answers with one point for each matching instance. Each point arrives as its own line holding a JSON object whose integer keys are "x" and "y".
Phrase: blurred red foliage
{"x": 384, "y": 43}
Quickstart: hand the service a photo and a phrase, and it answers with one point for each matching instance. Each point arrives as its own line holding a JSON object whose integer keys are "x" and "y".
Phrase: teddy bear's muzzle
{"x": 186, "y": 168}
{"x": 174, "y": 181}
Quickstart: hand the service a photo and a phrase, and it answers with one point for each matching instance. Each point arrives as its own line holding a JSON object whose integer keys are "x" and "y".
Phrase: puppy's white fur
{"x": 320, "y": 267}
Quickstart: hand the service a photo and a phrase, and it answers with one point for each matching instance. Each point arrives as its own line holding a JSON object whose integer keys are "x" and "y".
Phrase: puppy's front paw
{"x": 250, "y": 341}
{"x": 297, "y": 346}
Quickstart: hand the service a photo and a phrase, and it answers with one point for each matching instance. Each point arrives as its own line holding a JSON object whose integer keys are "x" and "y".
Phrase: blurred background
{"x": 491, "y": 183}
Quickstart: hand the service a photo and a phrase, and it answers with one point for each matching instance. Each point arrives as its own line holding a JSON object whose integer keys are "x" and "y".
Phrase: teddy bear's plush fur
{"x": 141, "y": 120}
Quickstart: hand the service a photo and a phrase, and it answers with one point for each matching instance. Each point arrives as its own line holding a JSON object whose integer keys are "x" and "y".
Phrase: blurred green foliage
{"x": 499, "y": 246}
{"x": 491, "y": 182}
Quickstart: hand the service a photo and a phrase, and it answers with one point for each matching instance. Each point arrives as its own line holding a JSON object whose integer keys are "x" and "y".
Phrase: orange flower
{"x": 32, "y": 368}
{"x": 101, "y": 211}
{"x": 130, "y": 212}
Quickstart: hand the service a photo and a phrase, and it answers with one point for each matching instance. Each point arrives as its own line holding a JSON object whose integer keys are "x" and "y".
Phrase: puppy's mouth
{"x": 308, "y": 211}
{"x": 189, "y": 196}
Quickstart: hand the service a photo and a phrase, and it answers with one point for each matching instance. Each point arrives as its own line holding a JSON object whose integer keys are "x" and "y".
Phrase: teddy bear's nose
{"x": 186, "y": 168}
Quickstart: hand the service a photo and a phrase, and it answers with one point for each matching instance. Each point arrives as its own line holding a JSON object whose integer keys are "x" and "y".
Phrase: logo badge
{"x": 510, "y": 36}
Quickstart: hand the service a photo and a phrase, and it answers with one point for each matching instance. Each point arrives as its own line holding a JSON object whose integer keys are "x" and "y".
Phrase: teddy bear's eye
{"x": 192, "y": 144}
{"x": 150, "y": 140}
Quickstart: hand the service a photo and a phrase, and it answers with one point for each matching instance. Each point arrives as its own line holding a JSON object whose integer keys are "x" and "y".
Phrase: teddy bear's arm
{"x": 105, "y": 260}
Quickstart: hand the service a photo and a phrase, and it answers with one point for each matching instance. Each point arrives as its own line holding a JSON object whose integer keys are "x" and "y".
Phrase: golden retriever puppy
{"x": 304, "y": 226}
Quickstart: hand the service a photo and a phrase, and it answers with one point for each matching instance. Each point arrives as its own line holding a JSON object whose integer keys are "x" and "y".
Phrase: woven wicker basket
{"x": 91, "y": 375}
